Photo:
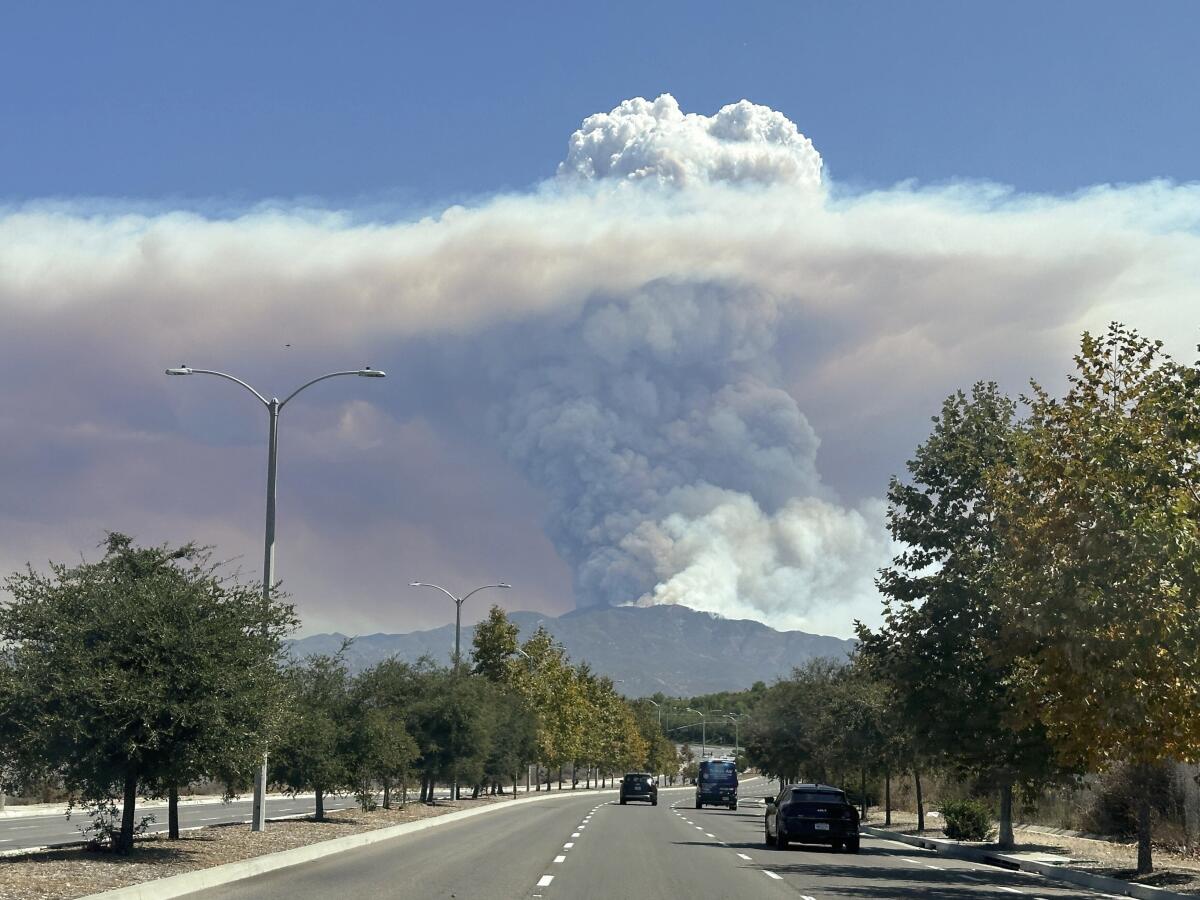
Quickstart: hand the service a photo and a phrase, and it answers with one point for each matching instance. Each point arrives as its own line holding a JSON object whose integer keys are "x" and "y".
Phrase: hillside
{"x": 661, "y": 648}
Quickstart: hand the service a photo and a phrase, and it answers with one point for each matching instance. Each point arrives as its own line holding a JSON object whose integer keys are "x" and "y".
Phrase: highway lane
{"x": 21, "y": 832}
{"x": 882, "y": 870}
{"x": 589, "y": 848}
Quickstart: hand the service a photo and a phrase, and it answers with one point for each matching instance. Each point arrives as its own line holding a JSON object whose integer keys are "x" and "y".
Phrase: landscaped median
{"x": 1056, "y": 866}
{"x": 206, "y": 857}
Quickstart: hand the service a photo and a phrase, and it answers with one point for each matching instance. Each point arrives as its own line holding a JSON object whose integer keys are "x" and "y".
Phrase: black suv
{"x": 639, "y": 786}
{"x": 812, "y": 814}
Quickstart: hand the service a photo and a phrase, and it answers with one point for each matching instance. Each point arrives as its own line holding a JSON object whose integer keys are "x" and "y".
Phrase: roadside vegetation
{"x": 151, "y": 670}
{"x": 1041, "y": 633}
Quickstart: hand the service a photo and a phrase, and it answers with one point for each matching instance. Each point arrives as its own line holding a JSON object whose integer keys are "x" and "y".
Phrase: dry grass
{"x": 74, "y": 872}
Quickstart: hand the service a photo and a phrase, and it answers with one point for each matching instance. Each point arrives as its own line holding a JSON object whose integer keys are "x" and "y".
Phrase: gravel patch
{"x": 71, "y": 872}
{"x": 1174, "y": 870}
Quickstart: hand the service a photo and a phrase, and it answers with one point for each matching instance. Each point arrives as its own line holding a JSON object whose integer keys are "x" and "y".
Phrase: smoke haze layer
{"x": 678, "y": 371}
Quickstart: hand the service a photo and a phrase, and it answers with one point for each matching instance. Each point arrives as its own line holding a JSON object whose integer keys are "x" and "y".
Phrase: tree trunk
{"x": 515, "y": 778}
{"x": 1145, "y": 863}
{"x": 475, "y": 792}
{"x": 1006, "y": 841}
{"x": 887, "y": 798}
{"x": 387, "y": 794}
{"x": 320, "y": 805}
{"x": 125, "y": 838}
{"x": 862, "y": 784}
{"x": 560, "y": 777}
{"x": 404, "y": 792}
{"x": 173, "y": 813}
{"x": 920, "y": 800}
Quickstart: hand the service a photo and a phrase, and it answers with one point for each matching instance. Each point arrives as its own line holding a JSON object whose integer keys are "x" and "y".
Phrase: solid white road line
{"x": 545, "y": 880}
{"x": 1010, "y": 890}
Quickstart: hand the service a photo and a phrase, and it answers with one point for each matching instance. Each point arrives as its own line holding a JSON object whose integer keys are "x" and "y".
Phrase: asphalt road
{"x": 19, "y": 832}
{"x": 590, "y": 848}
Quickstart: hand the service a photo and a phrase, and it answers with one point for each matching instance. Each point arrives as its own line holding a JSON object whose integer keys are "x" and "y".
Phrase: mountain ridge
{"x": 672, "y": 649}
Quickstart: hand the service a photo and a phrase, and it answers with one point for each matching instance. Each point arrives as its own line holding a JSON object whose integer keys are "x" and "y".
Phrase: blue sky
{"x": 687, "y": 386}
{"x": 351, "y": 102}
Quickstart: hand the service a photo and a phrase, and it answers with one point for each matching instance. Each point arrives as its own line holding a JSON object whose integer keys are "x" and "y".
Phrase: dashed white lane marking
{"x": 744, "y": 856}
{"x": 771, "y": 874}
{"x": 706, "y": 834}
{"x": 568, "y": 845}
{"x": 913, "y": 861}
{"x": 969, "y": 877}
{"x": 932, "y": 866}
{"x": 560, "y": 858}
{"x": 575, "y": 834}
{"x": 545, "y": 880}
{"x": 697, "y": 827}
{"x": 1010, "y": 890}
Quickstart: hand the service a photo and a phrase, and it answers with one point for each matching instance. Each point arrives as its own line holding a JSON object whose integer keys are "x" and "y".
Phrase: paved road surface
{"x": 17, "y": 832}
{"x": 590, "y": 848}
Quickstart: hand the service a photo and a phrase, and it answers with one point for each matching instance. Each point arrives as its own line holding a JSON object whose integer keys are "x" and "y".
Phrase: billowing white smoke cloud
{"x": 644, "y": 140}
{"x": 657, "y": 364}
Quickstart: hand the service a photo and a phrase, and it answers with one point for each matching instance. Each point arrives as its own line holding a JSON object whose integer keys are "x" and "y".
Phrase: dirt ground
{"x": 1174, "y": 870}
{"x": 75, "y": 872}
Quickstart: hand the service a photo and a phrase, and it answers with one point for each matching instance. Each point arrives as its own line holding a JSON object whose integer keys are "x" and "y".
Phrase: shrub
{"x": 967, "y": 820}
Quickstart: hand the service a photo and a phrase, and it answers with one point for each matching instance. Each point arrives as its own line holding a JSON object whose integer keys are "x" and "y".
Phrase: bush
{"x": 967, "y": 820}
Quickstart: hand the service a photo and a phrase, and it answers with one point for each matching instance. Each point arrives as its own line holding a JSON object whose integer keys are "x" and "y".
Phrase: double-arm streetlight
{"x": 458, "y": 602}
{"x": 258, "y": 819}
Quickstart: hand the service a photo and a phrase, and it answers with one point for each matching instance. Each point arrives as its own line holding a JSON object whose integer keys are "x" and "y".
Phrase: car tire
{"x": 781, "y": 840}
{"x": 733, "y": 805}
{"x": 699, "y": 805}
{"x": 837, "y": 846}
{"x": 622, "y": 801}
{"x": 770, "y": 841}
{"x": 654, "y": 802}
{"x": 852, "y": 845}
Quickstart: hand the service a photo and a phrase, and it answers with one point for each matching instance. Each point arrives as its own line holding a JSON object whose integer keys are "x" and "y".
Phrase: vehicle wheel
{"x": 852, "y": 845}
{"x": 699, "y": 805}
{"x": 770, "y": 841}
{"x": 733, "y": 805}
{"x": 654, "y": 802}
{"x": 837, "y": 846}
{"x": 781, "y": 840}
{"x": 622, "y": 801}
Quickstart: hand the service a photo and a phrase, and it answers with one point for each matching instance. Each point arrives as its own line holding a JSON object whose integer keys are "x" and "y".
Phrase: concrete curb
{"x": 1053, "y": 871}
{"x": 201, "y": 879}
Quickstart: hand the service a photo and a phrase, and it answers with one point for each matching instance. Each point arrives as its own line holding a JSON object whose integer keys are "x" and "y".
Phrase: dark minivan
{"x": 812, "y": 814}
{"x": 717, "y": 783}
{"x": 639, "y": 786}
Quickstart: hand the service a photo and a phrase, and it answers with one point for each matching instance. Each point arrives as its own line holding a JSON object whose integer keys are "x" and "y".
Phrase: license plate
{"x": 821, "y": 826}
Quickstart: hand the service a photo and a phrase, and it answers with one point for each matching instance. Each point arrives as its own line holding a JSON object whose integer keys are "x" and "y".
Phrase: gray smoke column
{"x": 679, "y": 468}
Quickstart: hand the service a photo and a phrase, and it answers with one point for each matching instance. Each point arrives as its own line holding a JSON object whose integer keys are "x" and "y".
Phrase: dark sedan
{"x": 812, "y": 814}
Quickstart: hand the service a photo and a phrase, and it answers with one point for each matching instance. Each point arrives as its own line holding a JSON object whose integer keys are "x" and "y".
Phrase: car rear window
{"x": 816, "y": 797}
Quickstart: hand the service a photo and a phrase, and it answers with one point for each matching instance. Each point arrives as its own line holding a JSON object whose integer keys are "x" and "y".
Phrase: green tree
{"x": 313, "y": 752}
{"x": 494, "y": 645}
{"x": 137, "y": 674}
{"x": 939, "y": 647}
{"x": 1101, "y": 517}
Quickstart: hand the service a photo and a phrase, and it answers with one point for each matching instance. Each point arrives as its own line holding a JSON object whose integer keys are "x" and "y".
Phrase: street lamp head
{"x": 416, "y": 584}
{"x": 503, "y": 585}
{"x": 368, "y": 372}
{"x": 180, "y": 370}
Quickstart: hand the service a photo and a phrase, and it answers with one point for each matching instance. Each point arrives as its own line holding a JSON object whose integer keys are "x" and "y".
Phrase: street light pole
{"x": 458, "y": 602}
{"x": 703, "y": 731}
{"x": 258, "y": 818}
